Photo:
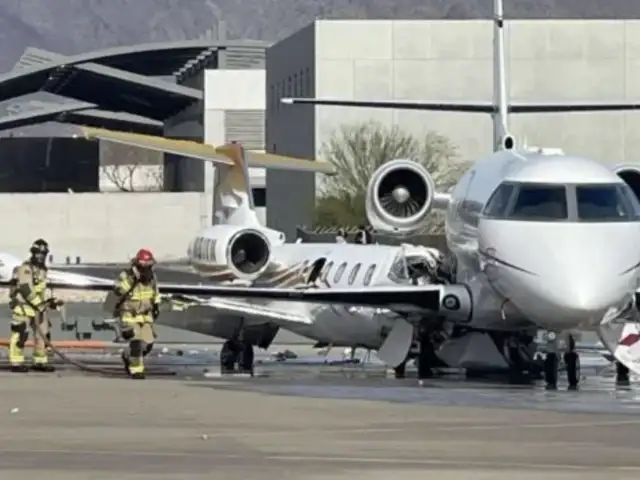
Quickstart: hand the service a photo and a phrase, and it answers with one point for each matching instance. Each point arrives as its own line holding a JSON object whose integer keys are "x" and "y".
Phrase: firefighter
{"x": 364, "y": 236}
{"x": 28, "y": 302}
{"x": 137, "y": 307}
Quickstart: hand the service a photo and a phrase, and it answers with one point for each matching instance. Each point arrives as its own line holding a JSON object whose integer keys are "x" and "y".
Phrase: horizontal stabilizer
{"x": 469, "y": 107}
{"x": 220, "y": 155}
{"x": 399, "y": 104}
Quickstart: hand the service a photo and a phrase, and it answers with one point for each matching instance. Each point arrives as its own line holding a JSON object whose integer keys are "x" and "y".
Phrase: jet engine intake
{"x": 456, "y": 303}
{"x": 248, "y": 253}
{"x": 399, "y": 197}
{"x": 631, "y": 176}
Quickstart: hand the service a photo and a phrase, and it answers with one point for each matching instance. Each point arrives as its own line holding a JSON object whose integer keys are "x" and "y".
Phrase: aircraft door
{"x": 316, "y": 269}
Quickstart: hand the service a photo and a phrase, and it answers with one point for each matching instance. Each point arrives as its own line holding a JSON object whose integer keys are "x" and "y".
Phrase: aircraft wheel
{"x": 228, "y": 357}
{"x": 425, "y": 355}
{"x": 572, "y": 361}
{"x": 551, "y": 371}
{"x": 622, "y": 375}
{"x": 246, "y": 356}
{"x": 400, "y": 370}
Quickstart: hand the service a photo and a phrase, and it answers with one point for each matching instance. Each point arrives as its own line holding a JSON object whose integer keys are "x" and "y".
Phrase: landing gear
{"x": 551, "y": 371}
{"x": 399, "y": 372}
{"x": 425, "y": 355}
{"x": 622, "y": 375}
{"x": 245, "y": 359}
{"x": 238, "y": 353}
{"x": 571, "y": 361}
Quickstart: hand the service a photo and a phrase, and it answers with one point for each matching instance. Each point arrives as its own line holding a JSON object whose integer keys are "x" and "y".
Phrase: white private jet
{"x": 539, "y": 239}
{"x": 238, "y": 250}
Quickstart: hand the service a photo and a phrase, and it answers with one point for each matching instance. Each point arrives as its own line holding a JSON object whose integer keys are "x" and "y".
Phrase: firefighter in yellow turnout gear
{"x": 138, "y": 305}
{"x": 29, "y": 301}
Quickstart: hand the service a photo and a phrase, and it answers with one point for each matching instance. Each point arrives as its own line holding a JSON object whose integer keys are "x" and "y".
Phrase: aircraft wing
{"x": 253, "y": 313}
{"x": 410, "y": 298}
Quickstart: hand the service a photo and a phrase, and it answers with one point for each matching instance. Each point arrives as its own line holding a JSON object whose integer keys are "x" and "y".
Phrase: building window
{"x": 295, "y": 85}
{"x": 289, "y": 88}
{"x": 307, "y": 78}
{"x": 272, "y": 97}
{"x": 259, "y": 197}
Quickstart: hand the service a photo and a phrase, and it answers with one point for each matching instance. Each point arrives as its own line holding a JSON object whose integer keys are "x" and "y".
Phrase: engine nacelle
{"x": 237, "y": 252}
{"x": 399, "y": 197}
{"x": 631, "y": 176}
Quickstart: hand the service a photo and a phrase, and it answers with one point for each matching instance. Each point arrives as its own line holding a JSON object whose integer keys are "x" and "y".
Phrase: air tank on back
{"x": 399, "y": 197}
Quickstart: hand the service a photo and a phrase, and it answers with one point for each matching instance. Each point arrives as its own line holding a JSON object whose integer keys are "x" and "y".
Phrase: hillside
{"x": 75, "y": 26}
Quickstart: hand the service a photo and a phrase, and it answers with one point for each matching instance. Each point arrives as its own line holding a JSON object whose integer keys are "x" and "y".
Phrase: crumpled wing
{"x": 411, "y": 298}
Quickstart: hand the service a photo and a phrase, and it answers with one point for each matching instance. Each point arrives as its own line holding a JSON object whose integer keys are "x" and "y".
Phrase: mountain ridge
{"x": 77, "y": 26}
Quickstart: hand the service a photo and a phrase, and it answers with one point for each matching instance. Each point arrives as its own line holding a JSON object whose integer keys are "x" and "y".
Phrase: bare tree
{"x": 126, "y": 168}
{"x": 357, "y": 151}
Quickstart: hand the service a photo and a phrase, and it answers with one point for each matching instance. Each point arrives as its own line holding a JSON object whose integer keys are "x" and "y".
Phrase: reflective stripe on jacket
{"x": 28, "y": 290}
{"x": 139, "y": 298}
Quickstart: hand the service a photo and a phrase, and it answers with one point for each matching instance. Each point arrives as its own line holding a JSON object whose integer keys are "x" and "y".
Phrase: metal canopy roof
{"x": 108, "y": 87}
{"x": 53, "y": 108}
{"x": 92, "y": 77}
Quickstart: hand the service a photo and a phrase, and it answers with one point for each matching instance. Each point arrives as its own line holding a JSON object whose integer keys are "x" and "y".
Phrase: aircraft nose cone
{"x": 588, "y": 298}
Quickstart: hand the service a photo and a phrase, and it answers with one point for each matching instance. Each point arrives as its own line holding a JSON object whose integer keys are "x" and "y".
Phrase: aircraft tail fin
{"x": 232, "y": 198}
{"x": 500, "y": 108}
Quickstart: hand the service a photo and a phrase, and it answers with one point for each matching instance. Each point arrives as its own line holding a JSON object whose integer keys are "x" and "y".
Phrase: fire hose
{"x": 65, "y": 358}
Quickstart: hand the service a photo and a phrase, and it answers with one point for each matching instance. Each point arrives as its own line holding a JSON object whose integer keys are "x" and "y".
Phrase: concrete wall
{"x": 554, "y": 60}
{"x": 290, "y": 131}
{"x": 231, "y": 91}
{"x": 102, "y": 227}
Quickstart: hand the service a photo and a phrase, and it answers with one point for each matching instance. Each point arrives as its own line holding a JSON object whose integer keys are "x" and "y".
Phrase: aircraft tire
{"x": 551, "y": 371}
{"x": 572, "y": 362}
{"x": 228, "y": 357}
{"x": 246, "y": 358}
{"x": 622, "y": 375}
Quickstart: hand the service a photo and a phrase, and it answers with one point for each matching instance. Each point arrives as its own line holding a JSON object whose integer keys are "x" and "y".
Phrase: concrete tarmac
{"x": 68, "y": 426}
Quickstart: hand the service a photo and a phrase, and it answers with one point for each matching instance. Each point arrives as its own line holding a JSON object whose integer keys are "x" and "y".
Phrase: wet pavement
{"x": 311, "y": 422}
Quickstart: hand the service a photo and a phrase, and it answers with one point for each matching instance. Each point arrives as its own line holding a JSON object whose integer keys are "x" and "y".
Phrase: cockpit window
{"x": 540, "y": 203}
{"x": 602, "y": 203}
{"x": 499, "y": 201}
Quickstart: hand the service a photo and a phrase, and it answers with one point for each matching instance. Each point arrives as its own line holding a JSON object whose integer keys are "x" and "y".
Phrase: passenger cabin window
{"x": 339, "y": 272}
{"x": 327, "y": 270}
{"x": 369, "y": 275}
{"x": 602, "y": 203}
{"x": 354, "y": 273}
{"x": 499, "y": 201}
{"x": 540, "y": 203}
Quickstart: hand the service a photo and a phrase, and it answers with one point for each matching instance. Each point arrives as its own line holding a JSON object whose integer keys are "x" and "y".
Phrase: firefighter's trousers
{"x": 140, "y": 336}
{"x": 20, "y": 326}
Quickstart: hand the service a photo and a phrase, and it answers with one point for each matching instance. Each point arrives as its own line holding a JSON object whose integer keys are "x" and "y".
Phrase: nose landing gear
{"x": 571, "y": 361}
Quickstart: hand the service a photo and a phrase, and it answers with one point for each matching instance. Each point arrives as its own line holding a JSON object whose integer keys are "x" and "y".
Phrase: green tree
{"x": 357, "y": 151}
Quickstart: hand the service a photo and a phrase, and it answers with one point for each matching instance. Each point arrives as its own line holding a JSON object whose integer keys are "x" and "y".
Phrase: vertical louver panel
{"x": 246, "y": 127}
{"x": 244, "y": 57}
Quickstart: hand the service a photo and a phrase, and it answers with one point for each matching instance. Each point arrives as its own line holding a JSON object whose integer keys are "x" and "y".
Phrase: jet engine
{"x": 234, "y": 252}
{"x": 399, "y": 197}
{"x": 631, "y": 176}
